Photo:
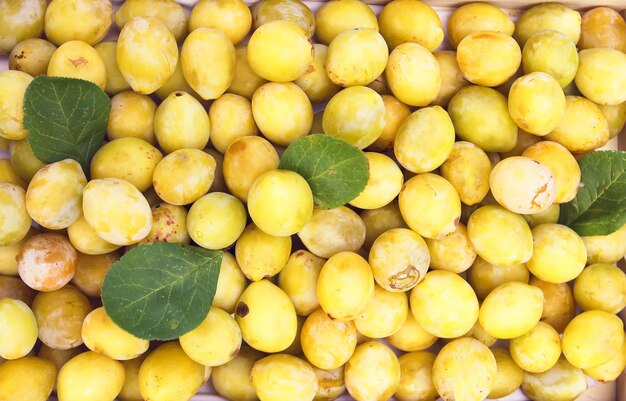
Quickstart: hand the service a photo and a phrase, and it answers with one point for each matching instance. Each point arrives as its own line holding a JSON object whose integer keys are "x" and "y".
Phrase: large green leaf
{"x": 336, "y": 171}
{"x": 599, "y": 208}
{"x": 161, "y": 291}
{"x": 65, "y": 118}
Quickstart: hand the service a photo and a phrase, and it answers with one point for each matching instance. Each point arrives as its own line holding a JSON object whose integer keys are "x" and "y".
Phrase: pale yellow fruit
{"x": 492, "y": 132}
{"x": 147, "y": 39}
{"x": 299, "y": 281}
{"x": 356, "y": 115}
{"x": 467, "y": 169}
{"x": 330, "y": 384}
{"x": 210, "y": 80}
{"x": 232, "y": 17}
{"x": 169, "y": 224}
{"x": 606, "y": 248}
{"x": 488, "y": 58}
{"x": 281, "y": 376}
{"x": 416, "y": 382}
{"x": 132, "y": 114}
{"x": 509, "y": 377}
{"x": 54, "y": 194}
{"x": 537, "y": 103}
{"x": 232, "y": 380}
{"x": 171, "y": 13}
{"x": 282, "y": 112}
{"x": 601, "y": 286}
{"x": 86, "y": 240}
{"x": 27, "y": 378}
{"x": 548, "y": 16}
{"x": 90, "y": 376}
{"x": 88, "y": 21}
{"x": 280, "y": 51}
{"x": 183, "y": 176}
{"x": 261, "y": 255}
{"x": 345, "y": 286}
{"x": 413, "y": 74}
{"x": 60, "y": 316}
{"x": 399, "y": 259}
{"x": 91, "y": 271}
{"x": 430, "y": 205}
{"x": 477, "y": 17}
{"x": 616, "y": 117}
{"x": 218, "y": 185}
{"x": 176, "y": 83}
{"x": 290, "y": 10}
{"x": 21, "y": 19}
{"x": 181, "y": 122}
{"x": 216, "y": 220}
{"x": 464, "y": 370}
{"x": 266, "y": 317}
{"x": 327, "y": 343}
{"x": 551, "y": 52}
{"x": 23, "y": 160}
{"x": 410, "y": 21}
{"x": 372, "y": 373}
{"x": 332, "y": 231}
{"x": 168, "y": 374}
{"x": 523, "y": 185}
{"x": 484, "y": 277}
{"x": 102, "y": 335}
{"x": 46, "y": 262}
{"x": 540, "y": 386}
{"x": 231, "y": 118}
{"x": 444, "y": 304}
{"x": 215, "y": 341}
{"x": 584, "y": 127}
{"x": 9, "y": 175}
{"x": 117, "y": 211}
{"x": 315, "y": 81}
{"x": 396, "y": 113}
{"x": 610, "y": 370}
{"x": 592, "y": 338}
{"x": 245, "y": 80}
{"x": 356, "y": 57}
{"x": 131, "y": 159}
{"x": 558, "y": 303}
{"x": 559, "y": 254}
{"x": 239, "y": 171}
{"x": 280, "y": 202}
{"x": 524, "y": 141}
{"x": 511, "y": 310}
{"x": 424, "y": 140}
{"x": 453, "y": 252}
{"x": 561, "y": 164}
{"x": 76, "y": 59}
{"x": 548, "y": 216}
{"x": 479, "y": 333}
{"x": 339, "y": 16}
{"x": 377, "y": 221}
{"x": 452, "y": 79}
{"x": 14, "y": 217}
{"x": 537, "y": 350}
{"x": 491, "y": 226}
{"x": 115, "y": 81}
{"x": 599, "y": 77}
{"x": 411, "y": 337}
{"x": 384, "y": 314}
{"x": 12, "y": 88}
{"x": 230, "y": 284}
{"x": 130, "y": 390}
{"x": 8, "y": 253}
{"x": 295, "y": 348}
{"x": 18, "y": 329}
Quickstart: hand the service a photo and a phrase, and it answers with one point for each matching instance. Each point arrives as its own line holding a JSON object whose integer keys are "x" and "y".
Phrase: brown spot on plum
{"x": 405, "y": 279}
{"x": 79, "y": 61}
{"x": 242, "y": 309}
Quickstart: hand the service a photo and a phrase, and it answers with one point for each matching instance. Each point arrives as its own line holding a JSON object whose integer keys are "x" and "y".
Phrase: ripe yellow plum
{"x": 183, "y": 176}
{"x": 485, "y": 277}
{"x": 551, "y": 52}
{"x": 559, "y": 254}
{"x": 410, "y": 21}
{"x": 373, "y": 372}
{"x": 299, "y": 281}
{"x": 315, "y": 81}
{"x": 15, "y": 218}
{"x": 132, "y": 114}
{"x": 336, "y": 17}
{"x": 601, "y": 286}
{"x": 29, "y": 378}
{"x": 12, "y": 88}
{"x": 477, "y": 17}
{"x": 332, "y": 231}
{"x": 548, "y": 16}
{"x": 46, "y": 262}
{"x": 509, "y": 377}
{"x": 18, "y": 331}
{"x": 561, "y": 164}
{"x": 281, "y": 376}
{"x": 327, "y": 343}
{"x": 261, "y": 255}
{"x": 599, "y": 77}
{"x": 488, "y": 58}
{"x": 413, "y": 74}
{"x": 216, "y": 220}
{"x": 76, "y": 59}
{"x": 232, "y": 17}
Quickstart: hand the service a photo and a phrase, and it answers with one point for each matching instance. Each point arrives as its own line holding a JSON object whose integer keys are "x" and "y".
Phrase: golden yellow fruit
{"x": 46, "y": 262}
{"x": 452, "y": 79}
{"x": 27, "y": 378}
{"x": 540, "y": 386}
{"x": 15, "y": 218}
{"x": 453, "y": 252}
{"x": 261, "y": 255}
{"x": 132, "y": 114}
{"x": 90, "y": 375}
{"x": 558, "y": 303}
{"x": 601, "y": 286}
{"x": 509, "y": 377}
{"x": 551, "y": 52}
{"x": 468, "y": 169}
{"x": 610, "y": 370}
{"x": 606, "y": 248}
{"x": 147, "y": 39}
{"x": 130, "y": 391}
{"x": 315, "y": 81}
{"x": 603, "y": 27}
{"x": 76, "y": 59}
{"x": 9, "y": 175}
{"x": 384, "y": 314}
{"x": 377, "y": 221}
{"x": 335, "y": 17}
{"x": 115, "y": 82}
{"x": 410, "y": 21}
{"x": 616, "y": 117}
{"x": 413, "y": 74}
{"x": 416, "y": 382}
{"x": 23, "y": 160}
{"x": 280, "y": 51}
{"x": 330, "y": 384}
{"x": 216, "y": 220}
{"x": 383, "y": 185}
{"x": 183, "y": 176}
{"x": 18, "y": 331}
{"x": 373, "y": 372}
{"x": 485, "y": 277}
{"x": 170, "y": 12}
{"x": 266, "y": 317}
{"x": 231, "y": 118}
{"x": 245, "y": 80}
{"x": 232, "y": 380}
{"x": 210, "y": 80}
{"x": 356, "y": 115}
{"x": 396, "y": 113}
{"x": 88, "y": 21}
{"x": 511, "y": 310}
{"x": 290, "y": 10}
{"x": 327, "y": 343}
{"x": 548, "y": 16}
{"x": 91, "y": 271}
{"x": 488, "y": 58}
{"x": 561, "y": 164}
{"x": 559, "y": 254}
{"x": 181, "y": 122}
{"x": 537, "y": 350}
{"x": 21, "y": 19}
{"x": 12, "y": 88}
{"x": 477, "y": 17}
{"x": 331, "y": 231}
{"x": 281, "y": 376}
{"x": 345, "y": 286}
{"x": 299, "y": 280}
{"x": 232, "y": 17}
{"x": 464, "y": 370}
{"x": 86, "y": 240}
{"x": 176, "y": 83}
{"x": 411, "y": 337}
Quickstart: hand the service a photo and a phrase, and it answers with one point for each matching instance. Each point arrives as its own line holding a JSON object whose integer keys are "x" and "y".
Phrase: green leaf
{"x": 336, "y": 171}
{"x": 599, "y": 208}
{"x": 65, "y": 118}
{"x": 161, "y": 291}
